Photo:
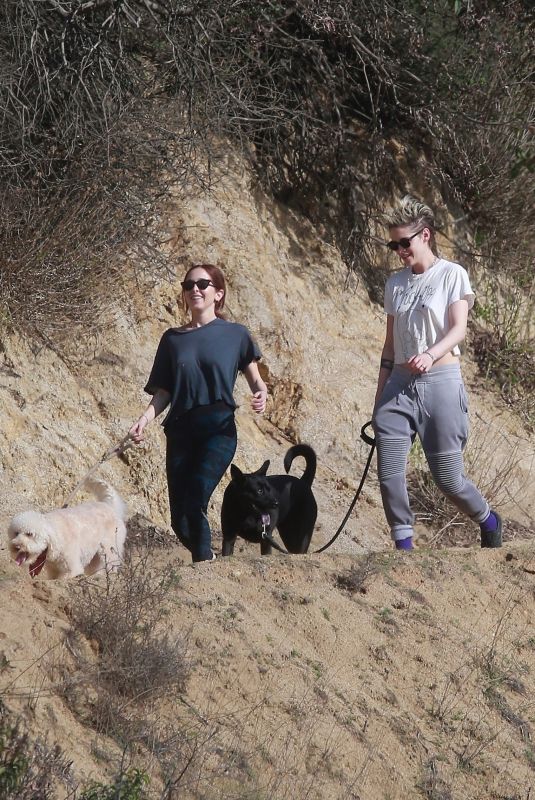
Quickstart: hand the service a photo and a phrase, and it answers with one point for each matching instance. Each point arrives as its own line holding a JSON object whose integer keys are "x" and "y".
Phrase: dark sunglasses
{"x": 202, "y": 283}
{"x": 404, "y": 243}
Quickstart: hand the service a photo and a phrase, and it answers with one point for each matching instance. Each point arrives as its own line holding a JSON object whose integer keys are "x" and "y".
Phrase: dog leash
{"x": 371, "y": 441}
{"x": 117, "y": 450}
{"x": 268, "y": 538}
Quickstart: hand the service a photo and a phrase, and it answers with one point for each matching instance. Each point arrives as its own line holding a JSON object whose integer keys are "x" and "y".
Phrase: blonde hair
{"x": 411, "y": 211}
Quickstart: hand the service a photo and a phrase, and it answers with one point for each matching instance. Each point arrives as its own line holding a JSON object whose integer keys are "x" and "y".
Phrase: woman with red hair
{"x": 193, "y": 376}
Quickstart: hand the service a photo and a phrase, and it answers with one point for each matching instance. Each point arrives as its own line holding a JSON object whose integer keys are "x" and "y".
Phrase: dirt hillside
{"x": 358, "y": 673}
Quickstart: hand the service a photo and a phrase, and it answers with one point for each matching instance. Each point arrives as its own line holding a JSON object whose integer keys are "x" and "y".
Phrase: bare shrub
{"x": 111, "y": 103}
{"x": 355, "y": 578}
{"x": 495, "y": 475}
{"x": 432, "y": 785}
{"x": 145, "y": 535}
{"x": 134, "y": 660}
{"x": 87, "y": 145}
{"x": 29, "y": 770}
{"x": 503, "y": 345}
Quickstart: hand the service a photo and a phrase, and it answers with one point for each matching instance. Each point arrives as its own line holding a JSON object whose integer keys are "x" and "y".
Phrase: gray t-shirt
{"x": 198, "y": 367}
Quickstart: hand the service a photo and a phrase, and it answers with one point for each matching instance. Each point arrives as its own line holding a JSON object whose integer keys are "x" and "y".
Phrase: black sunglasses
{"x": 202, "y": 283}
{"x": 404, "y": 243}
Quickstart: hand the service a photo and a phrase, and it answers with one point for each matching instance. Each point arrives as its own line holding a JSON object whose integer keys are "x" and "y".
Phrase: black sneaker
{"x": 493, "y": 539}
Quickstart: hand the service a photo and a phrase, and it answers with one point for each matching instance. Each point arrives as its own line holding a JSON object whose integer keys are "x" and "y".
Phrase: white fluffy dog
{"x": 71, "y": 541}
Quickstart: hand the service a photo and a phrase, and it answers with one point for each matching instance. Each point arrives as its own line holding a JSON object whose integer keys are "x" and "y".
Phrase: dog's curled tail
{"x": 309, "y": 455}
{"x": 105, "y": 493}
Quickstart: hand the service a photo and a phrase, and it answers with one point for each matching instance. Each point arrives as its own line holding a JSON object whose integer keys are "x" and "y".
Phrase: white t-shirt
{"x": 419, "y": 304}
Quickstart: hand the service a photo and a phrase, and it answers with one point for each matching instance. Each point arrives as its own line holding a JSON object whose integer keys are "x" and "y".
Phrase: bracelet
{"x": 431, "y": 356}
{"x": 387, "y": 363}
{"x": 144, "y": 415}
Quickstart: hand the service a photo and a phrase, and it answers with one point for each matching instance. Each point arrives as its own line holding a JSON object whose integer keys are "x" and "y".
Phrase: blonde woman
{"x": 420, "y": 390}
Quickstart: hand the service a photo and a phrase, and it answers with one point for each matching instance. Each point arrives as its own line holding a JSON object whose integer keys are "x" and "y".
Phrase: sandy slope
{"x": 417, "y": 683}
{"x": 320, "y": 676}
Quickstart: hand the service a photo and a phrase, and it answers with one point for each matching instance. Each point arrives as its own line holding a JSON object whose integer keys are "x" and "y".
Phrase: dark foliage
{"x": 106, "y": 105}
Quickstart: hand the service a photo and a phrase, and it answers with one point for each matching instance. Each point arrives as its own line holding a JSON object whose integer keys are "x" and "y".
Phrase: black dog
{"x": 256, "y": 503}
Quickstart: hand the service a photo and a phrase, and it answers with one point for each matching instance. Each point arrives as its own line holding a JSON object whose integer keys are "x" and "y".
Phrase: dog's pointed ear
{"x": 263, "y": 469}
{"x": 236, "y": 473}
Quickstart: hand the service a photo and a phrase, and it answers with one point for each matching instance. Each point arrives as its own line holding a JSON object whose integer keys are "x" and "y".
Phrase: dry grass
{"x": 358, "y": 575}
{"x": 142, "y": 534}
{"x": 496, "y": 477}
{"x": 124, "y": 657}
{"x": 432, "y": 785}
{"x": 29, "y": 770}
{"x": 507, "y": 360}
{"x": 108, "y": 108}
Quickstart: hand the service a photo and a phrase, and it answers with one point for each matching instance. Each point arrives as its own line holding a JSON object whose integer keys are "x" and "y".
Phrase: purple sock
{"x": 404, "y": 544}
{"x": 490, "y": 525}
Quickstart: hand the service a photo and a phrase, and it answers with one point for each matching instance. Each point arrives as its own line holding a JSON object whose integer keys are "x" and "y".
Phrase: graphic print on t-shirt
{"x": 412, "y": 313}
{"x": 420, "y": 306}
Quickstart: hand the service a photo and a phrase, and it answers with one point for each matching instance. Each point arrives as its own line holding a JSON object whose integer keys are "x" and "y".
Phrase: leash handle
{"x": 371, "y": 441}
{"x": 365, "y": 436}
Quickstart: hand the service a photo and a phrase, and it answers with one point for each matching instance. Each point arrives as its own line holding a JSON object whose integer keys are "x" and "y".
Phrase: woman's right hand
{"x": 136, "y": 431}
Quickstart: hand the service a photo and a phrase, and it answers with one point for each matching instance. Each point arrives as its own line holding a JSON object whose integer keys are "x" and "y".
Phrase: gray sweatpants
{"x": 434, "y": 407}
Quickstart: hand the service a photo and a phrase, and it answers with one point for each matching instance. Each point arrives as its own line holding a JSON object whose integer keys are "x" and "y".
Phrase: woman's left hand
{"x": 136, "y": 431}
{"x": 258, "y": 402}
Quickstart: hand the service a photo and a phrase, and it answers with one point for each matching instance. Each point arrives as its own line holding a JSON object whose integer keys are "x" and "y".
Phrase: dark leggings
{"x": 200, "y": 447}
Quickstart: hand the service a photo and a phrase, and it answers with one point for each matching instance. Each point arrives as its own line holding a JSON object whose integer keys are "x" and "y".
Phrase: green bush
{"x": 129, "y": 785}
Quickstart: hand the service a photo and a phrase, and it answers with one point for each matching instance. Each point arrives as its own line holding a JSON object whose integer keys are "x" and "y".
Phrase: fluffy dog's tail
{"x": 106, "y": 494}
{"x": 309, "y": 455}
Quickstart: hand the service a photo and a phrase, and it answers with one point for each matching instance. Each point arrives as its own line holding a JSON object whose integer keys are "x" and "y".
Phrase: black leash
{"x": 268, "y": 538}
{"x": 371, "y": 441}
